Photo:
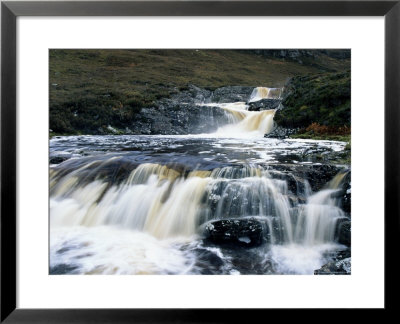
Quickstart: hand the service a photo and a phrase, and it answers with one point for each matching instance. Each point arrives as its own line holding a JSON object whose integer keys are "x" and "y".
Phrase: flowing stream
{"x": 137, "y": 204}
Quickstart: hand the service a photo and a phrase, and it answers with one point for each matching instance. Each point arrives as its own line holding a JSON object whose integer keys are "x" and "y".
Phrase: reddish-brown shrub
{"x": 318, "y": 129}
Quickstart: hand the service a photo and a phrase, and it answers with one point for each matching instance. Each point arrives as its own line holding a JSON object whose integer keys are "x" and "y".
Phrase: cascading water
{"x": 245, "y": 123}
{"x": 260, "y": 93}
{"x": 141, "y": 207}
{"x": 167, "y": 203}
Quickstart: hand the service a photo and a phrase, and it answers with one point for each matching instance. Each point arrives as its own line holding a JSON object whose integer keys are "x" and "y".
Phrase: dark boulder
{"x": 58, "y": 159}
{"x": 241, "y": 232}
{"x": 343, "y": 231}
{"x": 316, "y": 175}
{"x": 207, "y": 262}
{"x": 264, "y": 104}
{"x": 346, "y": 193}
{"x": 346, "y": 201}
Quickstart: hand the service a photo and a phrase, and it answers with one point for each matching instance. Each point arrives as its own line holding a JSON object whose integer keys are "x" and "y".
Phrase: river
{"x": 147, "y": 204}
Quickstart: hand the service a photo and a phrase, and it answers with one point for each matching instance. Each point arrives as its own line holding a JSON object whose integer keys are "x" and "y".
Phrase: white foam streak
{"x": 300, "y": 259}
{"x": 112, "y": 250}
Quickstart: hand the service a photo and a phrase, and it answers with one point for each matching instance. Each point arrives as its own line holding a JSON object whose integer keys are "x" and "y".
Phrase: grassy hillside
{"x": 95, "y": 88}
{"x": 319, "y": 104}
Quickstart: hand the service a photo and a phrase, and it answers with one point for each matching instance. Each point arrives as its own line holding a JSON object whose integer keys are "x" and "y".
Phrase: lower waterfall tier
{"x": 163, "y": 203}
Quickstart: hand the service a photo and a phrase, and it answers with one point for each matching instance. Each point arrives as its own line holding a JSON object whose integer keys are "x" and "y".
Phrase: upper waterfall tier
{"x": 260, "y": 93}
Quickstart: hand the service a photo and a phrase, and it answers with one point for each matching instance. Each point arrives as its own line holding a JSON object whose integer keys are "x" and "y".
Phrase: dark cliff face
{"x": 298, "y": 53}
{"x": 318, "y": 58}
{"x": 171, "y": 119}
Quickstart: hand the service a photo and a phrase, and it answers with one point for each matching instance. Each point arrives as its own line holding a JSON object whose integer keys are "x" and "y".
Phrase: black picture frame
{"x": 10, "y": 10}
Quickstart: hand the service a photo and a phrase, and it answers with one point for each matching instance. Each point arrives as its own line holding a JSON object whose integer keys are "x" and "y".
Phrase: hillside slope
{"x": 91, "y": 89}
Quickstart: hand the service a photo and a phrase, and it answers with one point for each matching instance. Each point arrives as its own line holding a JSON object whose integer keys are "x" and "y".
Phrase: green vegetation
{"x": 91, "y": 89}
{"x": 323, "y": 99}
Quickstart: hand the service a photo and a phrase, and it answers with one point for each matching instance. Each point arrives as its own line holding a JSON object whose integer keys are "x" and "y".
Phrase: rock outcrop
{"x": 264, "y": 104}
{"x": 242, "y": 232}
{"x": 343, "y": 231}
{"x": 231, "y": 94}
{"x": 174, "y": 118}
{"x": 342, "y": 267}
{"x": 186, "y": 112}
{"x": 281, "y": 132}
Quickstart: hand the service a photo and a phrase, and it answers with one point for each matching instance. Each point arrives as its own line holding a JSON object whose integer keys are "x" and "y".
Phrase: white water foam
{"x": 113, "y": 250}
{"x": 300, "y": 259}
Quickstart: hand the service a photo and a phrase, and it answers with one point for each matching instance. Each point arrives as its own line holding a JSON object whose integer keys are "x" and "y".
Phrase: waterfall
{"x": 249, "y": 123}
{"x": 316, "y": 220}
{"x": 244, "y": 123}
{"x": 166, "y": 202}
{"x": 265, "y": 93}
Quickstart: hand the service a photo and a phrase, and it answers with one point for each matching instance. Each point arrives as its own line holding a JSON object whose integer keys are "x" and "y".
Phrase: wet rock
{"x": 241, "y": 232}
{"x": 207, "y": 262}
{"x": 61, "y": 269}
{"x": 251, "y": 262}
{"x": 341, "y": 267}
{"x": 343, "y": 231}
{"x": 171, "y": 118}
{"x": 346, "y": 201}
{"x": 186, "y": 112}
{"x": 281, "y": 132}
{"x": 316, "y": 175}
{"x": 58, "y": 159}
{"x": 346, "y": 193}
{"x": 264, "y": 104}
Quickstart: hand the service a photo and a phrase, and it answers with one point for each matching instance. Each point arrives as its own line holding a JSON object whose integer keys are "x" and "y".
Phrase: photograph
{"x": 199, "y": 161}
